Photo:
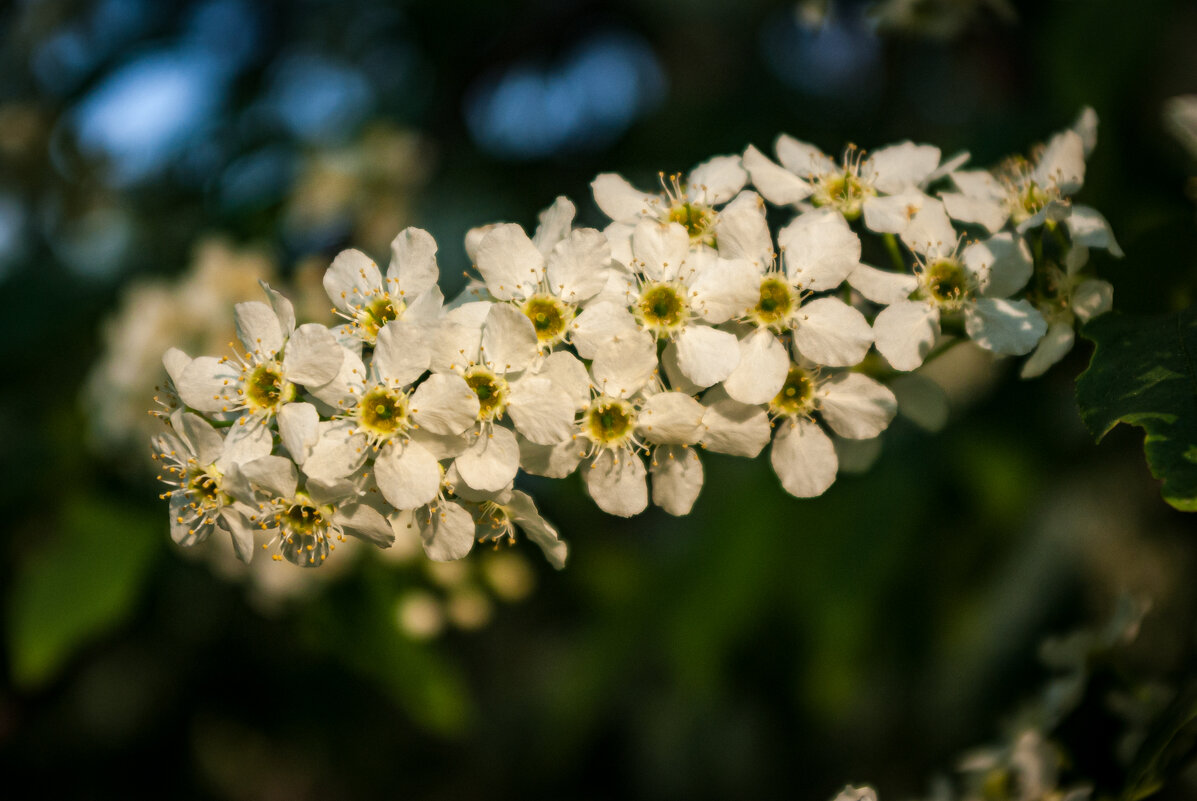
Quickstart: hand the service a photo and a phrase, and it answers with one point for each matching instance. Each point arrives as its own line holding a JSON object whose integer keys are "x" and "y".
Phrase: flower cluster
{"x": 685, "y": 324}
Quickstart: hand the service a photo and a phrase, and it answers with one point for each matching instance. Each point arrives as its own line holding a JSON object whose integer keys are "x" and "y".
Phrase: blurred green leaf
{"x": 82, "y": 583}
{"x": 1144, "y": 373}
{"x": 1167, "y": 750}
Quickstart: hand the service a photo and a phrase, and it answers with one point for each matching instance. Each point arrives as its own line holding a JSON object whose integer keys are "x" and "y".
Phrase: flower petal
{"x": 779, "y": 186}
{"x": 732, "y": 427}
{"x": 707, "y": 355}
{"x": 833, "y": 333}
{"x": 401, "y": 353}
{"x": 902, "y": 166}
{"x": 600, "y": 324}
{"x": 491, "y": 461}
{"x": 1002, "y": 264}
{"x": 660, "y": 249}
{"x": 762, "y": 370}
{"x": 856, "y": 406}
{"x": 275, "y": 474}
{"x": 670, "y": 418}
{"x": 819, "y": 249}
{"x": 540, "y": 410}
{"x": 351, "y": 279}
{"x": 622, "y": 367}
{"x": 407, "y": 475}
{"x": 803, "y": 458}
{"x": 621, "y": 201}
{"x": 905, "y": 332}
{"x": 882, "y": 286}
{"x": 509, "y": 262}
{"x": 554, "y": 224}
{"x": 617, "y": 483}
{"x": 444, "y": 404}
{"x": 508, "y": 339}
{"x": 577, "y": 266}
{"x": 1052, "y": 348}
{"x": 413, "y": 269}
{"x": 523, "y": 512}
{"x": 677, "y": 478}
{"x": 447, "y": 532}
{"x": 313, "y": 356}
{"x": 258, "y": 328}
{"x": 1010, "y": 327}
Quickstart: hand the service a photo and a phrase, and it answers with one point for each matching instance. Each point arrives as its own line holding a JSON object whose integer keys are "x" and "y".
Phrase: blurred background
{"x": 157, "y": 159}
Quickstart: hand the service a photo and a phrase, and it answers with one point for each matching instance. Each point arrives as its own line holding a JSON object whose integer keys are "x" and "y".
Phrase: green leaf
{"x": 1144, "y": 373}
{"x": 82, "y": 583}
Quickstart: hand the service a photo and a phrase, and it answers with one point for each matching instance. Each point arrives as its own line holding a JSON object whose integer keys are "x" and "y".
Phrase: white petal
{"x": 891, "y": 214}
{"x": 446, "y": 531}
{"x": 242, "y": 533}
{"x": 803, "y": 458}
{"x": 717, "y": 180}
{"x": 283, "y": 309}
{"x": 677, "y": 478}
{"x": 442, "y": 446}
{"x": 1011, "y": 327}
{"x": 490, "y": 462}
{"x": 456, "y": 342}
{"x": 298, "y": 428}
{"x": 365, "y": 523}
{"x": 905, "y": 332}
{"x": 707, "y": 355}
{"x": 313, "y": 356}
{"x": 352, "y": 277}
{"x": 660, "y": 248}
{"x": 208, "y": 384}
{"x": 508, "y": 339}
{"x": 762, "y": 370}
{"x": 175, "y": 361}
{"x": 930, "y": 232}
{"x": 780, "y": 186}
{"x": 206, "y": 441}
{"x": 510, "y": 263}
{"x": 550, "y": 461}
{"x": 401, "y": 353}
{"x": 882, "y": 286}
{"x": 1002, "y": 264}
{"x": 743, "y": 232}
{"x": 577, "y": 266}
{"x": 600, "y": 324}
{"x": 1052, "y": 348}
{"x": 676, "y": 378}
{"x": 733, "y": 427}
{"x": 819, "y": 249}
{"x": 541, "y": 411}
{"x": 802, "y": 159}
{"x": 554, "y": 224}
{"x": 985, "y": 211}
{"x": 833, "y": 333}
{"x": 921, "y": 401}
{"x": 247, "y": 440}
{"x": 1088, "y": 228}
{"x": 902, "y": 166}
{"x": 616, "y": 481}
{"x": 1086, "y": 128}
{"x": 337, "y": 453}
{"x": 407, "y": 475}
{"x": 1091, "y": 298}
{"x": 523, "y": 513}
{"x": 670, "y": 418}
{"x": 568, "y": 373}
{"x": 621, "y": 201}
{"x": 1063, "y": 163}
{"x": 622, "y": 367}
{"x": 274, "y": 474}
{"x": 720, "y": 288}
{"x": 444, "y": 404}
{"x": 413, "y": 262}
{"x": 346, "y": 388}
{"x": 258, "y": 328}
{"x": 856, "y": 406}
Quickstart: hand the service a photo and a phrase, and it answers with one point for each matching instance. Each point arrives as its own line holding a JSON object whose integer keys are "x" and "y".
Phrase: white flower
{"x": 971, "y": 283}
{"x": 1065, "y": 298}
{"x": 691, "y": 204}
{"x": 547, "y": 288}
{"x": 852, "y": 187}
{"x": 369, "y": 300}
{"x": 257, "y": 385}
{"x": 852, "y": 405}
{"x": 306, "y": 520}
{"x": 207, "y": 490}
{"x": 678, "y": 290}
{"x": 1038, "y": 190}
{"x": 498, "y": 519}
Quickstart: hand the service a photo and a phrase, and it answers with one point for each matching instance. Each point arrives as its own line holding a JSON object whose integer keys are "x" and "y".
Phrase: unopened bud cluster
{"x": 685, "y": 324}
